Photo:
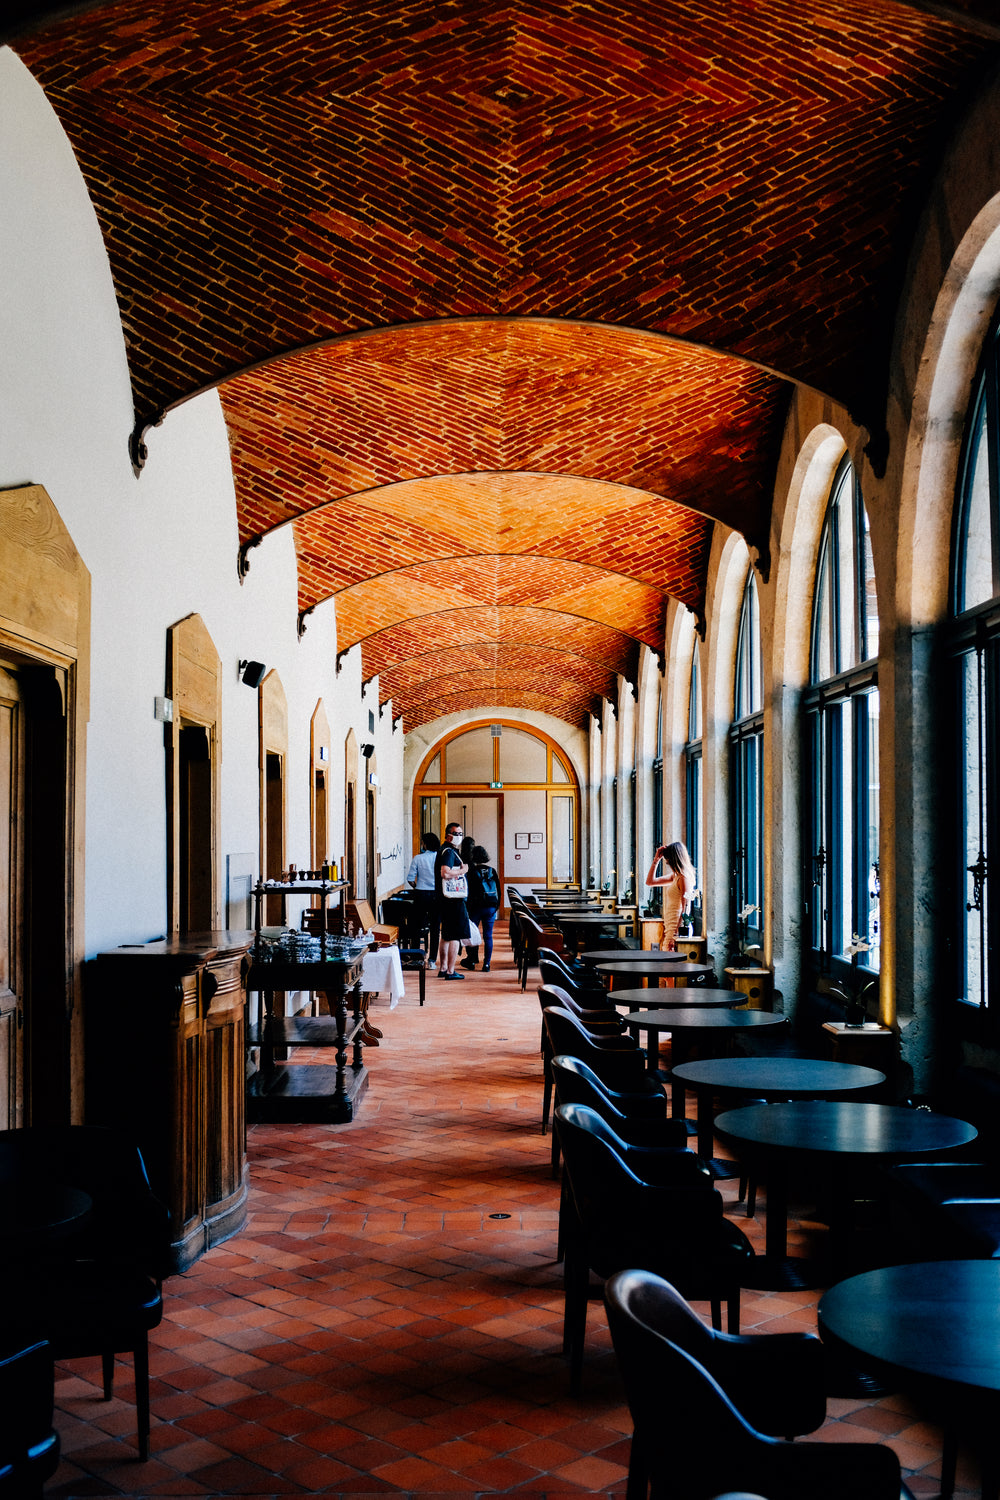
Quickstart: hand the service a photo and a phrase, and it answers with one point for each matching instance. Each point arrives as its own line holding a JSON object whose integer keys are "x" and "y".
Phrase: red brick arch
{"x": 456, "y": 268}
{"x": 270, "y": 176}
{"x": 430, "y": 661}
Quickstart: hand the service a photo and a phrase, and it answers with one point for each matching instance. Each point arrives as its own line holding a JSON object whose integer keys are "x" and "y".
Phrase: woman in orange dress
{"x": 678, "y": 880}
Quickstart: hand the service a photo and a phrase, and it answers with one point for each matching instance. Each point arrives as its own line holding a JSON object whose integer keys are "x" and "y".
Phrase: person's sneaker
{"x": 485, "y": 969}
{"x": 431, "y": 965}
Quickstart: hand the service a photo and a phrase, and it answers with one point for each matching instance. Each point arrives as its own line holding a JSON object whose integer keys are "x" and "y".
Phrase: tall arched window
{"x": 842, "y": 719}
{"x": 692, "y": 766}
{"x": 654, "y": 894}
{"x": 747, "y": 741}
{"x": 975, "y": 641}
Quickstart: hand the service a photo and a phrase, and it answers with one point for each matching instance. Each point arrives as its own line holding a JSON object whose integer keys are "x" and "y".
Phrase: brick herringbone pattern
{"x": 373, "y": 1328}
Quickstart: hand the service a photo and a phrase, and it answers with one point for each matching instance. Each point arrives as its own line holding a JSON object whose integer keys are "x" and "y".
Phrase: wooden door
{"x": 11, "y": 900}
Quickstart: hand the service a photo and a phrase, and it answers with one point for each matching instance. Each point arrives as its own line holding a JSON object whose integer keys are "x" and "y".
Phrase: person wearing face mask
{"x": 449, "y": 867}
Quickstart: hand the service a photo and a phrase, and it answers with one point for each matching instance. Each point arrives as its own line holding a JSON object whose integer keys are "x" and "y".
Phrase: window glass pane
{"x": 693, "y": 829}
{"x": 818, "y": 853}
{"x": 470, "y": 757}
{"x": 870, "y": 595}
{"x": 430, "y": 815}
{"x": 558, "y": 769}
{"x": 433, "y": 772}
{"x": 847, "y": 573}
{"x": 749, "y": 698}
{"x": 699, "y": 822}
{"x": 522, "y": 756}
{"x": 870, "y": 886}
{"x": 694, "y": 703}
{"x": 749, "y": 854}
{"x": 843, "y": 830}
{"x": 973, "y": 749}
{"x": 975, "y": 583}
{"x": 756, "y": 675}
{"x": 823, "y": 660}
{"x": 562, "y": 838}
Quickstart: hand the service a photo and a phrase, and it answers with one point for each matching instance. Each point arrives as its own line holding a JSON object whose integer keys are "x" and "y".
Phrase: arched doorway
{"x": 514, "y": 790}
{"x": 44, "y": 691}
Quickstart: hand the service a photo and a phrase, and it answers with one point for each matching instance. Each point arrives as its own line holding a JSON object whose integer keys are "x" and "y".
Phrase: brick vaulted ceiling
{"x": 505, "y": 300}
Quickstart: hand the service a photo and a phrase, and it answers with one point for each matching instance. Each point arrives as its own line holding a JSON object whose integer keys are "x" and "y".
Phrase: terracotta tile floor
{"x": 390, "y": 1317}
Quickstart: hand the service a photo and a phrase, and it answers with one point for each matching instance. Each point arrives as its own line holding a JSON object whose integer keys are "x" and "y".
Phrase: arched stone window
{"x": 975, "y": 642}
{"x": 842, "y": 722}
{"x": 747, "y": 748}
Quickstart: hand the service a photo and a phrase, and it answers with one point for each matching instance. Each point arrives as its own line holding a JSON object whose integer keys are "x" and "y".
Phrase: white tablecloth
{"x": 382, "y": 975}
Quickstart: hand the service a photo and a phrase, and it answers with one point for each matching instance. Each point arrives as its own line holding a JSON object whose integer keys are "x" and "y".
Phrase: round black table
{"x": 771, "y": 1078}
{"x": 840, "y": 1134}
{"x": 690, "y": 1027}
{"x": 935, "y": 1327}
{"x": 640, "y": 968}
{"x": 575, "y": 923}
{"x": 569, "y": 903}
{"x": 683, "y": 998}
{"x": 681, "y": 972}
{"x": 632, "y": 955}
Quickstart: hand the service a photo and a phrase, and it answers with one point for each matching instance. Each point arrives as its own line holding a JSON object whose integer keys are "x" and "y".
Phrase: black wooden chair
{"x": 29, "y": 1444}
{"x": 577, "y": 978}
{"x": 617, "y": 1059}
{"x": 531, "y": 936}
{"x": 694, "y": 1441}
{"x": 597, "y": 1024}
{"x": 91, "y": 1285}
{"x": 639, "y": 1118}
{"x": 623, "y": 1220}
{"x": 654, "y": 1147}
{"x": 777, "y": 1381}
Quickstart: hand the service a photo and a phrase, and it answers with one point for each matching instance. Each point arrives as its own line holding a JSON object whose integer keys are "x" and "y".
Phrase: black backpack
{"x": 489, "y": 893}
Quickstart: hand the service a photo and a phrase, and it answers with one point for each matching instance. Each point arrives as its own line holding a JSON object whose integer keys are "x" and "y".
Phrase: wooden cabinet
{"x": 166, "y": 1062}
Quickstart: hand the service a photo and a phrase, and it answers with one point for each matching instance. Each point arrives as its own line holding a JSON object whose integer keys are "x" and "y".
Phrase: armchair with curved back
{"x": 622, "y": 1219}
{"x": 709, "y": 1412}
{"x": 29, "y": 1444}
{"x": 532, "y": 935}
{"x": 580, "y": 980}
{"x": 616, "y": 1059}
{"x": 596, "y": 1024}
{"x": 654, "y": 1146}
{"x": 93, "y": 1285}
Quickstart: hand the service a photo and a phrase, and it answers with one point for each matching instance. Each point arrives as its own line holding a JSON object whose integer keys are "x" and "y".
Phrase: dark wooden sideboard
{"x": 166, "y": 1062}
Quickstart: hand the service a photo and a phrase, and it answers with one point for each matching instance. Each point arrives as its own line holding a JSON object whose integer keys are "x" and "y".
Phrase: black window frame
{"x": 746, "y": 742}
{"x": 972, "y": 644}
{"x": 836, "y": 712}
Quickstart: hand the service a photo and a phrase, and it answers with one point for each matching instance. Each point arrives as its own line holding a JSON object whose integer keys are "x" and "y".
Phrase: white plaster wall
{"x": 158, "y": 548}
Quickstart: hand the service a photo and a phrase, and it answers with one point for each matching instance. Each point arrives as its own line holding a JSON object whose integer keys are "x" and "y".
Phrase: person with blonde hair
{"x": 678, "y": 880}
